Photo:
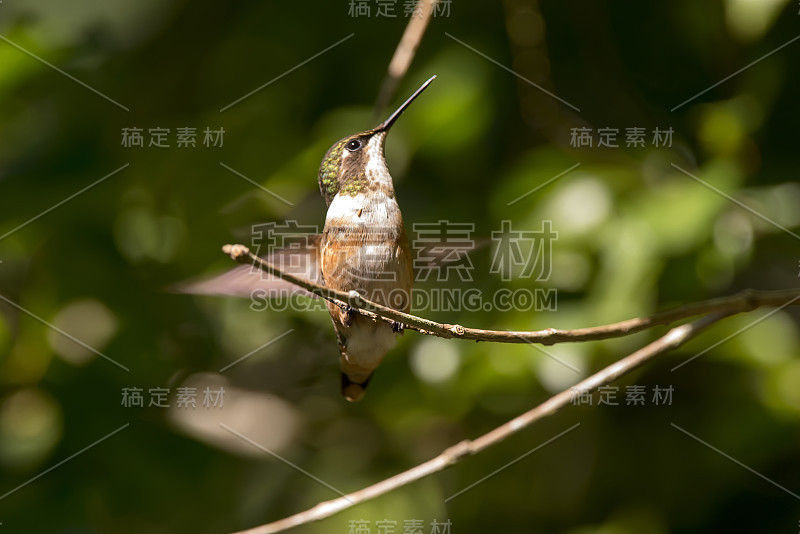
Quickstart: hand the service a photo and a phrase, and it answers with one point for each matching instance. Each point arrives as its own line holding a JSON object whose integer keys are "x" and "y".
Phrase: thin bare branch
{"x": 670, "y": 341}
{"x": 404, "y": 53}
{"x": 745, "y": 301}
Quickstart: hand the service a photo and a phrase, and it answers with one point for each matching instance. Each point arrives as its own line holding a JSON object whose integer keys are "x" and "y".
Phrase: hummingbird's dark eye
{"x": 353, "y": 145}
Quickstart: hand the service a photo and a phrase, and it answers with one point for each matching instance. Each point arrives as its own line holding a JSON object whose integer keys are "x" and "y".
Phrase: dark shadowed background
{"x": 646, "y": 224}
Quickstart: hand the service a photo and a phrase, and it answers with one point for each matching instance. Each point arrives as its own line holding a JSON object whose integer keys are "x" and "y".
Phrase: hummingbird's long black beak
{"x": 385, "y": 125}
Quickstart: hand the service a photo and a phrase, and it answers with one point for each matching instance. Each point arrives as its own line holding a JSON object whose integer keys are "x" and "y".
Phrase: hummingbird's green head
{"x": 344, "y": 167}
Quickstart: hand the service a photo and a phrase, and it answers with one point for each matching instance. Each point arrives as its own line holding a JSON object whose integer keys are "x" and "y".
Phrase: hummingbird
{"x": 363, "y": 247}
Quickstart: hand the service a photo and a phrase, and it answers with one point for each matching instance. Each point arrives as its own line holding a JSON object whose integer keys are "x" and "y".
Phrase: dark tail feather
{"x": 353, "y": 391}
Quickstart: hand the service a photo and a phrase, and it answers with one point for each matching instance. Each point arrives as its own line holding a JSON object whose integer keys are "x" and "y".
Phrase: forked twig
{"x": 745, "y": 301}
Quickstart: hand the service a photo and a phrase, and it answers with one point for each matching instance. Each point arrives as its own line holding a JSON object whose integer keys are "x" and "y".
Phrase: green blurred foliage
{"x": 636, "y": 235}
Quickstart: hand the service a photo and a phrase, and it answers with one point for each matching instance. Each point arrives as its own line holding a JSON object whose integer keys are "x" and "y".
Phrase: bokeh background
{"x": 635, "y": 236}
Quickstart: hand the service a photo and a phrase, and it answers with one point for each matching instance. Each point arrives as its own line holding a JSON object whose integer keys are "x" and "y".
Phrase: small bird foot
{"x": 349, "y": 313}
{"x": 397, "y": 327}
